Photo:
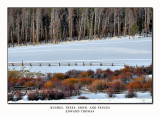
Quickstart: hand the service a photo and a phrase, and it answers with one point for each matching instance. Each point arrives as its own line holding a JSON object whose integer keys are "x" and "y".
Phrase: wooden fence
{"x": 66, "y": 64}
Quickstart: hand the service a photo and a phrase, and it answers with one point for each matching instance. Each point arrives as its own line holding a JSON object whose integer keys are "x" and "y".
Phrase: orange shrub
{"x": 149, "y": 81}
{"x": 128, "y": 75}
{"x": 138, "y": 79}
{"x": 38, "y": 79}
{"x": 60, "y": 76}
{"x": 138, "y": 71}
{"x": 108, "y": 84}
{"x": 71, "y": 81}
{"x": 117, "y": 85}
{"x": 135, "y": 85}
{"x": 98, "y": 85}
{"x": 126, "y": 69}
{"x": 117, "y": 77}
{"x": 12, "y": 79}
{"x": 146, "y": 86}
{"x": 29, "y": 84}
{"x": 85, "y": 81}
{"x": 83, "y": 75}
{"x": 48, "y": 85}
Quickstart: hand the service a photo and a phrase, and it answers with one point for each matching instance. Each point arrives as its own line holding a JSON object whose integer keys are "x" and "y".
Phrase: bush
{"x": 117, "y": 77}
{"x": 73, "y": 73}
{"x": 109, "y": 84}
{"x": 138, "y": 71}
{"x": 33, "y": 96}
{"x": 60, "y": 76}
{"x": 131, "y": 94}
{"x": 15, "y": 73}
{"x": 69, "y": 90}
{"x": 48, "y": 85}
{"x": 51, "y": 94}
{"x": 127, "y": 76}
{"x": 29, "y": 84}
{"x": 118, "y": 85}
{"x": 82, "y": 97}
{"x": 98, "y": 85}
{"x": 110, "y": 92}
{"x": 85, "y": 81}
{"x": 19, "y": 95}
{"x": 135, "y": 85}
{"x": 55, "y": 95}
{"x": 43, "y": 95}
{"x": 71, "y": 81}
{"x": 126, "y": 69}
{"x": 84, "y": 75}
{"x": 90, "y": 72}
{"x": 10, "y": 97}
{"x": 57, "y": 83}
{"x": 146, "y": 87}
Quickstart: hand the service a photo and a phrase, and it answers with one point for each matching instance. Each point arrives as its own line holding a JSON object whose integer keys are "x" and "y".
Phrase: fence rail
{"x": 66, "y": 64}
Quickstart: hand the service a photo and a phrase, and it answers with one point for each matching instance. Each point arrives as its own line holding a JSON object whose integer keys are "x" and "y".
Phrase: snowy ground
{"x": 96, "y": 98}
{"x": 136, "y": 51}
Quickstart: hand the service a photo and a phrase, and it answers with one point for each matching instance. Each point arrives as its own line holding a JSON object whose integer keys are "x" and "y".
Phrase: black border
{"x": 85, "y": 103}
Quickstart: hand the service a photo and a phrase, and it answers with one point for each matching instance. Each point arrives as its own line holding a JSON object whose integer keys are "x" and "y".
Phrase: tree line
{"x": 33, "y": 26}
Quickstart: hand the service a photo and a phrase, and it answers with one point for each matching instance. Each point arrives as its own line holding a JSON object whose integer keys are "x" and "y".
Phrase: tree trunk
{"x": 80, "y": 30}
{"x": 71, "y": 30}
{"x": 46, "y": 39}
{"x": 125, "y": 25}
{"x": 22, "y": 32}
{"x": 148, "y": 21}
{"x": 114, "y": 21}
{"x": 18, "y": 35}
{"x": 95, "y": 23}
{"x": 31, "y": 33}
{"x": 145, "y": 27}
{"x": 12, "y": 39}
{"x": 33, "y": 28}
{"x": 26, "y": 36}
{"x": 118, "y": 26}
{"x": 129, "y": 23}
{"x": 99, "y": 21}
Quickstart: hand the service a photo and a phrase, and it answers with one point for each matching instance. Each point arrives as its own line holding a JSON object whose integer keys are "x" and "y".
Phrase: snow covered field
{"x": 136, "y": 51}
{"x": 96, "y": 98}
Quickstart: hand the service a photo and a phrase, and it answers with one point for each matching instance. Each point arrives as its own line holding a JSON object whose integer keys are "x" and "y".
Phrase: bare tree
{"x": 33, "y": 41}
{"x": 38, "y": 22}
{"x": 70, "y": 17}
{"x": 17, "y": 28}
{"x": 115, "y": 14}
{"x": 10, "y": 25}
{"x": 81, "y": 23}
{"x": 85, "y": 20}
{"x": 95, "y": 21}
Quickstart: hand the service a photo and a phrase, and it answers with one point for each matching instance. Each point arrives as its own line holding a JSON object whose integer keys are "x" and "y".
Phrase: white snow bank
{"x": 97, "y": 98}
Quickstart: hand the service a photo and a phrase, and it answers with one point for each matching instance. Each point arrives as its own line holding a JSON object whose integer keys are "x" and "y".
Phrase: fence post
{"x": 90, "y": 64}
{"x": 83, "y": 64}
{"x": 100, "y": 64}
{"x": 22, "y": 63}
